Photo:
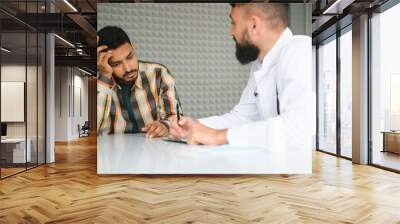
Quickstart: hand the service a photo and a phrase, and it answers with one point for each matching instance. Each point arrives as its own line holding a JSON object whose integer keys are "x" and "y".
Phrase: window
{"x": 327, "y": 97}
{"x": 346, "y": 93}
{"x": 385, "y": 88}
{"x": 395, "y": 102}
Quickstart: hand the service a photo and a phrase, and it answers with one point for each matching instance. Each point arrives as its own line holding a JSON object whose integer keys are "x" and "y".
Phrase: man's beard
{"x": 246, "y": 52}
{"x": 125, "y": 82}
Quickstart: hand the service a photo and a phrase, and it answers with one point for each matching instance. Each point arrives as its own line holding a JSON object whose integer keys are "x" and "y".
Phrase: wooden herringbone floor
{"x": 70, "y": 191}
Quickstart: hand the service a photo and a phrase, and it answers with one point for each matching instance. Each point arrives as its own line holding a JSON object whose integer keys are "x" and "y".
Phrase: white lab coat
{"x": 254, "y": 121}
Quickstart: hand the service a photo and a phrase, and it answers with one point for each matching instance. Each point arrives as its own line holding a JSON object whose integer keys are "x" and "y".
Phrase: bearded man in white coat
{"x": 276, "y": 109}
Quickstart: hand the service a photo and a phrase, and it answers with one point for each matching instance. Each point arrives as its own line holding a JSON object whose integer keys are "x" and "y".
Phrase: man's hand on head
{"x": 102, "y": 60}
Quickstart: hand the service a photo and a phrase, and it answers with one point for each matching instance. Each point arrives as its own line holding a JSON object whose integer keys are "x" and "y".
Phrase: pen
{"x": 178, "y": 113}
{"x": 178, "y": 107}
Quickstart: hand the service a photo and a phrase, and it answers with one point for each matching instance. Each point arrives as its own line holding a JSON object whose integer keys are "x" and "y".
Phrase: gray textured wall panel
{"x": 193, "y": 41}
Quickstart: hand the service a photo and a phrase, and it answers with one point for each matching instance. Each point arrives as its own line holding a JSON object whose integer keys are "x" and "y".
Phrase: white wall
{"x": 61, "y": 103}
{"x": 67, "y": 114}
{"x": 14, "y": 73}
{"x": 79, "y": 117}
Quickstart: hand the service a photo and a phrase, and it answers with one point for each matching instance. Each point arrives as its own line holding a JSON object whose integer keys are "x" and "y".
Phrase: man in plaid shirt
{"x": 132, "y": 96}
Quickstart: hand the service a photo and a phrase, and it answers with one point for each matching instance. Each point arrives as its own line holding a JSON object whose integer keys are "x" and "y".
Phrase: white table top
{"x": 135, "y": 154}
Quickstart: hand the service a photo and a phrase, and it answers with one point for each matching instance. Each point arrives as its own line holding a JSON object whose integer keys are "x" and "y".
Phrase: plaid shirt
{"x": 128, "y": 110}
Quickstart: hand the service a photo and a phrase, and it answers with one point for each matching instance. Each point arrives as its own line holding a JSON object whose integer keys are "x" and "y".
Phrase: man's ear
{"x": 255, "y": 25}
{"x": 254, "y": 28}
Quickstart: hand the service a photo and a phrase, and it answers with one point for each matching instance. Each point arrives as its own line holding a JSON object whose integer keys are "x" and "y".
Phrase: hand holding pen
{"x": 179, "y": 125}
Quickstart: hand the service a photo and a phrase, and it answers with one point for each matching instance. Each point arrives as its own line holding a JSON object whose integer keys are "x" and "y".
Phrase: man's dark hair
{"x": 113, "y": 37}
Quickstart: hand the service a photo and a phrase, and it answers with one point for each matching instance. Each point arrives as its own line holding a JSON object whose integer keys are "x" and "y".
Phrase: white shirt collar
{"x": 272, "y": 54}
